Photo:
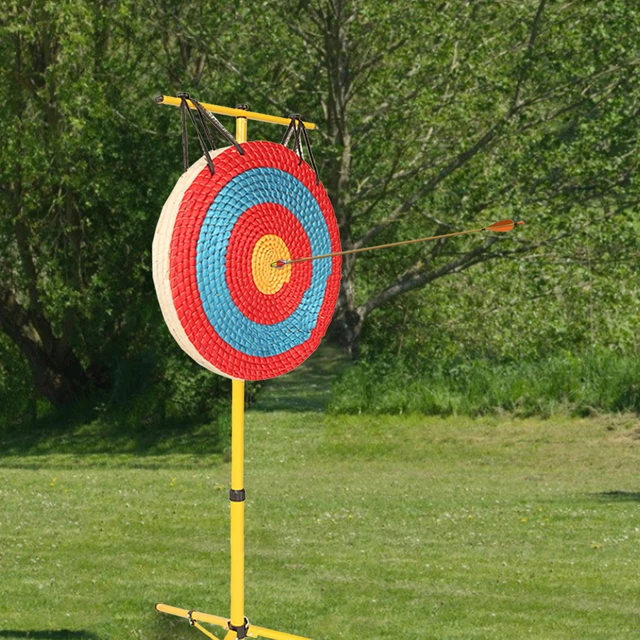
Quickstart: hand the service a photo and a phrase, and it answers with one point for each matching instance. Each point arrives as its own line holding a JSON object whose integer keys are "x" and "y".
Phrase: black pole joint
{"x": 237, "y": 495}
{"x": 241, "y": 632}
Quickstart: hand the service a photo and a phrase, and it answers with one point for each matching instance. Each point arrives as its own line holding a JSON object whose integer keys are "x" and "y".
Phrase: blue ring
{"x": 250, "y": 188}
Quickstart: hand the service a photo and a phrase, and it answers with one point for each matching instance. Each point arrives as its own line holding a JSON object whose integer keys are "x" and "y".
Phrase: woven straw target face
{"x": 215, "y": 242}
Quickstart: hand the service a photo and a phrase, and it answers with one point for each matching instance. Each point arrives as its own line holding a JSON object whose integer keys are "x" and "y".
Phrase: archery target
{"x": 215, "y": 242}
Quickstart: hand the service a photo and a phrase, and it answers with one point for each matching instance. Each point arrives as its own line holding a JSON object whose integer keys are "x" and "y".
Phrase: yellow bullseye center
{"x": 268, "y": 250}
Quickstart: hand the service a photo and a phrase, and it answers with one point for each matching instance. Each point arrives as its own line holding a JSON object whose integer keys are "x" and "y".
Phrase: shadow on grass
{"x": 83, "y": 432}
{"x": 61, "y": 634}
{"x": 307, "y": 388}
{"x": 619, "y": 496}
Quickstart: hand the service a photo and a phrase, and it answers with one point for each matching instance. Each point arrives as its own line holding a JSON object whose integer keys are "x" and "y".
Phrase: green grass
{"x": 357, "y": 526}
{"x": 583, "y": 385}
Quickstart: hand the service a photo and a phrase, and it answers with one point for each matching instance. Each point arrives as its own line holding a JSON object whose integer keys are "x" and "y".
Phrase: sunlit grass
{"x": 357, "y": 526}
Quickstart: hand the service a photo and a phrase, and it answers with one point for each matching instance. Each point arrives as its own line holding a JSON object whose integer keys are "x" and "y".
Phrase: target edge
{"x": 160, "y": 252}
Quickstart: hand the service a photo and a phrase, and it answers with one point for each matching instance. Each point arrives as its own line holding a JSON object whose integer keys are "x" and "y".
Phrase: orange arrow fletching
{"x": 503, "y": 226}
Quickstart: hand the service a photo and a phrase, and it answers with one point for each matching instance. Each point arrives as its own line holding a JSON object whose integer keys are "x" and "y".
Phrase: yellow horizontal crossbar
{"x": 236, "y": 113}
{"x": 253, "y": 631}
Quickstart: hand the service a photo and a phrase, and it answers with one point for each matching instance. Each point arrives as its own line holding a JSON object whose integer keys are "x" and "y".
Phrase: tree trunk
{"x": 57, "y": 373}
{"x": 58, "y": 382}
{"x": 335, "y": 18}
{"x": 347, "y": 321}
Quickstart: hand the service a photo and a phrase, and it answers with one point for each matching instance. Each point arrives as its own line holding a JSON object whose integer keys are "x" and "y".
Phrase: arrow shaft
{"x": 381, "y": 246}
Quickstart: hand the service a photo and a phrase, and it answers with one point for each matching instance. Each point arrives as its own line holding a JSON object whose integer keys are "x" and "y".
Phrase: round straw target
{"x": 215, "y": 243}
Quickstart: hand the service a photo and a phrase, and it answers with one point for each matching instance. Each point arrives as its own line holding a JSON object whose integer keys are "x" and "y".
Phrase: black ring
{"x": 237, "y": 495}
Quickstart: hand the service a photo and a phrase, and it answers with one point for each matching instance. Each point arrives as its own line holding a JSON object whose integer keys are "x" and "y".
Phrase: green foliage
{"x": 88, "y": 160}
{"x": 17, "y": 399}
{"x": 444, "y": 115}
{"x": 550, "y": 301}
{"x": 150, "y": 389}
{"x": 602, "y": 382}
{"x": 438, "y": 118}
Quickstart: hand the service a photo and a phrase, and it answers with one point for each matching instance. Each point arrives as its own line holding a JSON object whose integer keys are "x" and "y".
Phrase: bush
{"x": 17, "y": 397}
{"x": 592, "y": 382}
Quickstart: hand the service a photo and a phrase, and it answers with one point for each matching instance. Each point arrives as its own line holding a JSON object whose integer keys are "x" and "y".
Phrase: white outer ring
{"x": 160, "y": 256}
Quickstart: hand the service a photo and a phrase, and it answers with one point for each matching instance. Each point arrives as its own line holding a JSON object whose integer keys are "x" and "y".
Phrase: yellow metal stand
{"x": 238, "y": 626}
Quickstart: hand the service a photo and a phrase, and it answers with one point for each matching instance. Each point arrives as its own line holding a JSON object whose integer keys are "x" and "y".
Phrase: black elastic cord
{"x": 212, "y": 120}
{"x": 296, "y": 141}
{"x": 204, "y": 125}
{"x": 293, "y": 129}
{"x": 185, "y": 138}
{"x": 307, "y": 144}
{"x": 206, "y": 119}
{"x": 184, "y": 97}
{"x": 287, "y": 133}
{"x": 297, "y": 129}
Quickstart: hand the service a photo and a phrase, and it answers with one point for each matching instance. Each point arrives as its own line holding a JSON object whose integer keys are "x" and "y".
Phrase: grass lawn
{"x": 356, "y": 527}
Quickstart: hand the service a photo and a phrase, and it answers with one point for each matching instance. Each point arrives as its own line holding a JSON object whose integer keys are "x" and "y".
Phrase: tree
{"x": 435, "y": 116}
{"x": 74, "y": 194}
{"x": 87, "y": 161}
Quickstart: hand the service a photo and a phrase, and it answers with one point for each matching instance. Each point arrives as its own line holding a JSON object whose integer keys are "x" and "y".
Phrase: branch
{"x": 415, "y": 277}
{"x": 15, "y": 323}
{"x": 221, "y": 56}
{"x": 533, "y": 36}
{"x": 368, "y": 67}
{"x": 306, "y": 37}
{"x": 461, "y": 159}
{"x": 469, "y": 153}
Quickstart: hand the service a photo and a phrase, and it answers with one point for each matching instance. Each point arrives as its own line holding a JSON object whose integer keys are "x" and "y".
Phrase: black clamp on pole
{"x": 241, "y": 632}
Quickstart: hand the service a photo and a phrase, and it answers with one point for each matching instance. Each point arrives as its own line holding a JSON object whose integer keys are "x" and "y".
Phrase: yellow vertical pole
{"x": 237, "y": 503}
{"x": 237, "y": 493}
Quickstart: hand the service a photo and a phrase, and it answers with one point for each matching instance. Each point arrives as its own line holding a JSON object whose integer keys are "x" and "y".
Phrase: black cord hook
{"x": 298, "y": 130}
{"x": 206, "y": 118}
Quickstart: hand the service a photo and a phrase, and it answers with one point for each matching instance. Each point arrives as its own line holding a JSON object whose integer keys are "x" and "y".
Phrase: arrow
{"x": 502, "y": 226}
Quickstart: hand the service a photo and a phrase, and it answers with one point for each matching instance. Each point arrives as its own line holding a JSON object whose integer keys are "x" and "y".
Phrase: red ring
{"x": 255, "y": 222}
